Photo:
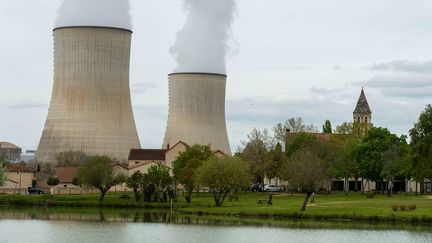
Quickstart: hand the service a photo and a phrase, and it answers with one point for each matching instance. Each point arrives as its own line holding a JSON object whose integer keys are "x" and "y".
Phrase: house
{"x": 66, "y": 176}
{"x": 21, "y": 174}
{"x": 142, "y": 159}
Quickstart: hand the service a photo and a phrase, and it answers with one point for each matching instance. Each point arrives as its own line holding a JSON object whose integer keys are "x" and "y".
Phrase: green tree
{"x": 76, "y": 181}
{"x": 294, "y": 125}
{"x": 71, "y": 159}
{"x": 395, "y": 163}
{"x": 421, "y": 147}
{"x": 99, "y": 172}
{"x": 223, "y": 176}
{"x": 53, "y": 181}
{"x": 134, "y": 182}
{"x": 187, "y": 163}
{"x": 2, "y": 175}
{"x": 327, "y": 127}
{"x": 162, "y": 181}
{"x": 256, "y": 153}
{"x": 307, "y": 168}
{"x": 345, "y": 128}
{"x": 274, "y": 163}
{"x": 371, "y": 151}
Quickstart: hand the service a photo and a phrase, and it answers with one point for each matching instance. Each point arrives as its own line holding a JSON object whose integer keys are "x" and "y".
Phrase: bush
{"x": 402, "y": 207}
{"x": 412, "y": 207}
{"x": 395, "y": 208}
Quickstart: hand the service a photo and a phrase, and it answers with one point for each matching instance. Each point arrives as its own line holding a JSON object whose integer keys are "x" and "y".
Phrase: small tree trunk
{"x": 356, "y": 184}
{"x": 188, "y": 195}
{"x": 303, "y": 208}
{"x": 136, "y": 194}
{"x": 346, "y": 185}
{"x": 422, "y": 187}
{"x": 102, "y": 195}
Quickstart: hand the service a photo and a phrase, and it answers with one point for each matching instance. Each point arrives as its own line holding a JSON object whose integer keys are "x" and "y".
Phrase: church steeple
{"x": 362, "y": 112}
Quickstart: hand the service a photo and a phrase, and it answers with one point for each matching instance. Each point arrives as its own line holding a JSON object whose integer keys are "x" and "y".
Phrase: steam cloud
{"x": 202, "y": 44}
{"x": 106, "y": 13}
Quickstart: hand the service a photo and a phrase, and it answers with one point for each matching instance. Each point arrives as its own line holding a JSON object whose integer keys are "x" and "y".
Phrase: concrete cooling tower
{"x": 90, "y": 108}
{"x": 197, "y": 110}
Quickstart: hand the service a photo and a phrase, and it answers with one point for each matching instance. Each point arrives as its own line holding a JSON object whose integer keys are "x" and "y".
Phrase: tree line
{"x": 308, "y": 159}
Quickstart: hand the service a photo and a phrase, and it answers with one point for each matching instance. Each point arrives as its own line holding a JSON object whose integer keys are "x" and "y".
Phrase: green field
{"x": 326, "y": 207}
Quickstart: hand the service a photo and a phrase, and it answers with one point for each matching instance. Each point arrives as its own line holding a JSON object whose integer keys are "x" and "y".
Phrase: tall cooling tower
{"x": 90, "y": 108}
{"x": 197, "y": 110}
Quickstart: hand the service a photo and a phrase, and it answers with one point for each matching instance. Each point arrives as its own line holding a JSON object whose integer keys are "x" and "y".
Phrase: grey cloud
{"x": 404, "y": 66}
{"x": 28, "y": 105}
{"x": 271, "y": 111}
{"x": 139, "y": 88}
{"x": 404, "y": 86}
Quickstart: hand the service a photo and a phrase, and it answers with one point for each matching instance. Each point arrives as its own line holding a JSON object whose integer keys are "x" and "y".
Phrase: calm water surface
{"x": 42, "y": 225}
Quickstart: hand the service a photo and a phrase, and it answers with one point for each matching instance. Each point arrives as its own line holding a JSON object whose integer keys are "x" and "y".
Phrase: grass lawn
{"x": 326, "y": 207}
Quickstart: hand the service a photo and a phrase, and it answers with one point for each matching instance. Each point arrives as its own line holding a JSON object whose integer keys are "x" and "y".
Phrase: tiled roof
{"x": 66, "y": 175}
{"x": 147, "y": 154}
{"x": 175, "y": 145}
{"x": 19, "y": 167}
{"x": 362, "y": 105}
{"x": 134, "y": 166}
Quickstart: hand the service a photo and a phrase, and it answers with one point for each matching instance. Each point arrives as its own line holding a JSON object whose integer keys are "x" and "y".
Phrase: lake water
{"x": 83, "y": 225}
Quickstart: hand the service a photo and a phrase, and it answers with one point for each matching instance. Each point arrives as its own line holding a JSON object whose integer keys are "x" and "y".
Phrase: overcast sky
{"x": 291, "y": 58}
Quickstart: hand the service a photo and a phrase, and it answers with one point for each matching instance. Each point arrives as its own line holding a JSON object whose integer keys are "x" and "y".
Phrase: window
{"x": 358, "y": 119}
{"x": 366, "y": 120}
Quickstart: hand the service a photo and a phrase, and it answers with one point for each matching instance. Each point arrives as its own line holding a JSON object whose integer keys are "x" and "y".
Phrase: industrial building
{"x": 10, "y": 152}
{"x": 197, "y": 111}
{"x": 90, "y": 109}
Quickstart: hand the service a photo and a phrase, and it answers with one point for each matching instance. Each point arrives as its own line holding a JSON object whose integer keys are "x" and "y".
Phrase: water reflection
{"x": 109, "y": 215}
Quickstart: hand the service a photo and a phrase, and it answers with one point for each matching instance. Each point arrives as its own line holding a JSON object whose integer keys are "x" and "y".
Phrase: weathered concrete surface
{"x": 90, "y": 108}
{"x": 197, "y": 110}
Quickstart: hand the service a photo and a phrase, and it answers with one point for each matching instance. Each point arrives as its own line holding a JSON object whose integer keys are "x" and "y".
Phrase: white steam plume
{"x": 202, "y": 44}
{"x": 106, "y": 13}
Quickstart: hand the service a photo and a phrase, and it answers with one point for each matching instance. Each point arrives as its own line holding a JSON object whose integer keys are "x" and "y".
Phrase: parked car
{"x": 273, "y": 188}
{"x": 35, "y": 190}
{"x": 256, "y": 187}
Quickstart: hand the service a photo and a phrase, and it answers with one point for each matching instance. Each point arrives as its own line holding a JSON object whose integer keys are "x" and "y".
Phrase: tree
{"x": 294, "y": 125}
{"x": 307, "y": 168}
{"x": 163, "y": 183}
{"x": 395, "y": 163}
{"x": 98, "y": 172}
{"x": 343, "y": 148}
{"x": 421, "y": 147}
{"x": 2, "y": 175}
{"x": 345, "y": 128}
{"x": 76, "y": 181}
{"x": 134, "y": 182}
{"x": 327, "y": 127}
{"x": 71, "y": 159}
{"x": 223, "y": 176}
{"x": 187, "y": 163}
{"x": 371, "y": 153}
{"x": 53, "y": 181}
{"x": 274, "y": 163}
{"x": 256, "y": 152}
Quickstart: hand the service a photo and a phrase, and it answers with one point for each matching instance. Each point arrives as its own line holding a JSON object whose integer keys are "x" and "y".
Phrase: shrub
{"x": 395, "y": 208}
{"x": 403, "y": 208}
{"x": 412, "y": 207}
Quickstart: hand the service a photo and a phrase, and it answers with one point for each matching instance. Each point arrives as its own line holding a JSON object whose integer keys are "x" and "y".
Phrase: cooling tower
{"x": 90, "y": 108}
{"x": 197, "y": 110}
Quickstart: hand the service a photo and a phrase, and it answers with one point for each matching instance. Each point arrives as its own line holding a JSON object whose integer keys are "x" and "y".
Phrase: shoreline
{"x": 202, "y": 206}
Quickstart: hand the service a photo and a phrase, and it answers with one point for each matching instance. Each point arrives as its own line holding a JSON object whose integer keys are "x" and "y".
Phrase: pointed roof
{"x": 362, "y": 105}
